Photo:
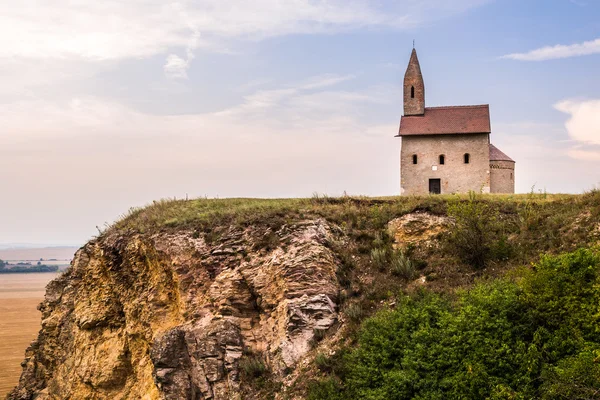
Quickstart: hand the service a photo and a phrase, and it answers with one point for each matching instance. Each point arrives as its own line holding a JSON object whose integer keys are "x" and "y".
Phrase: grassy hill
{"x": 467, "y": 297}
{"x": 466, "y": 315}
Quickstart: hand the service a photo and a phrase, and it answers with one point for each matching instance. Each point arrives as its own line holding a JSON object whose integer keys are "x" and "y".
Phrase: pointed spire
{"x": 414, "y": 87}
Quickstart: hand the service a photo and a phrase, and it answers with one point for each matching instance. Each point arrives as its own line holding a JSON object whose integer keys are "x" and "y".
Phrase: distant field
{"x": 19, "y": 321}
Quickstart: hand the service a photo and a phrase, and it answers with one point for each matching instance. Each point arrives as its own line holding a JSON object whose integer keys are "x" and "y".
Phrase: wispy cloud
{"x": 114, "y": 29}
{"x": 558, "y": 51}
{"x": 176, "y": 67}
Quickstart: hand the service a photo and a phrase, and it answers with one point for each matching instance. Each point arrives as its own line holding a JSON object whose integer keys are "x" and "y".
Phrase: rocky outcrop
{"x": 417, "y": 228}
{"x": 172, "y": 315}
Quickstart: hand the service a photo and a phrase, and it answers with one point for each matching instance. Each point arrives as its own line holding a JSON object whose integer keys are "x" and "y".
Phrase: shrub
{"x": 474, "y": 233}
{"x": 536, "y": 337}
{"x": 380, "y": 257}
{"x": 252, "y": 367}
{"x": 355, "y": 312}
{"x": 326, "y": 389}
{"x": 402, "y": 266}
{"x": 322, "y": 362}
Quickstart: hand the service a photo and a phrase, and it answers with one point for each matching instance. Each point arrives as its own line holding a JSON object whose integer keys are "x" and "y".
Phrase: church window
{"x": 511, "y": 175}
{"x": 467, "y": 158}
{"x": 414, "y": 158}
{"x": 442, "y": 159}
{"x": 412, "y": 92}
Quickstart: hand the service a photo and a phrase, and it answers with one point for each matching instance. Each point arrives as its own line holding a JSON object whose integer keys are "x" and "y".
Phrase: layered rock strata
{"x": 172, "y": 315}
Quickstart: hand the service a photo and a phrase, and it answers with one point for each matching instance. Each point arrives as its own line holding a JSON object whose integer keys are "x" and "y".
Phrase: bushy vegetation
{"x": 252, "y": 366}
{"x": 479, "y": 233}
{"x": 493, "y": 341}
{"x": 402, "y": 266}
{"x": 536, "y": 335}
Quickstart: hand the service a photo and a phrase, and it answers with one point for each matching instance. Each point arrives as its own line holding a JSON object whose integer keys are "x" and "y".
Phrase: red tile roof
{"x": 497, "y": 155}
{"x": 447, "y": 121}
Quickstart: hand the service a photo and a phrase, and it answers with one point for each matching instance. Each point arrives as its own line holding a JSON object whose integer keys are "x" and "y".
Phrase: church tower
{"x": 414, "y": 88}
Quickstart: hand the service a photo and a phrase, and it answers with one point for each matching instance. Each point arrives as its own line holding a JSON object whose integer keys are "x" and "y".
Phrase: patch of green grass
{"x": 252, "y": 366}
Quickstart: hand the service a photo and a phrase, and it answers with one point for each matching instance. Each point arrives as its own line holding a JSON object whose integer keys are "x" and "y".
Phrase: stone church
{"x": 447, "y": 149}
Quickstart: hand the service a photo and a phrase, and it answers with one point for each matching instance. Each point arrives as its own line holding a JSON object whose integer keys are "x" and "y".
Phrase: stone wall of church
{"x": 502, "y": 176}
{"x": 455, "y": 176}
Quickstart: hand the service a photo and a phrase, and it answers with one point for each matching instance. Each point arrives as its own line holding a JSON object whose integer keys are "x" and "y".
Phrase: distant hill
{"x": 47, "y": 253}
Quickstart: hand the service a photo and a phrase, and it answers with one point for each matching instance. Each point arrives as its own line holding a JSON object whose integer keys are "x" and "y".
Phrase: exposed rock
{"x": 417, "y": 228}
{"x": 170, "y": 315}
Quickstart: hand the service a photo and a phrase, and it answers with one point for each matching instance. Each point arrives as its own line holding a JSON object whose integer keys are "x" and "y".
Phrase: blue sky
{"x": 108, "y": 105}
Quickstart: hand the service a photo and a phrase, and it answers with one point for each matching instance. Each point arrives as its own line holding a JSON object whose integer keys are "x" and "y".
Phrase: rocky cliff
{"x": 234, "y": 299}
{"x": 172, "y": 316}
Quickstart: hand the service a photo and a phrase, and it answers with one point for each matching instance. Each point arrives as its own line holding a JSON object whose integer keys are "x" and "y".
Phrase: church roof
{"x": 413, "y": 64}
{"x": 497, "y": 155}
{"x": 447, "y": 121}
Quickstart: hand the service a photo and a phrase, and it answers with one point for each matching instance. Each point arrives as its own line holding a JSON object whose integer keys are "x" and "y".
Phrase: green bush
{"x": 325, "y": 389}
{"x": 477, "y": 235}
{"x": 536, "y": 337}
{"x": 323, "y": 362}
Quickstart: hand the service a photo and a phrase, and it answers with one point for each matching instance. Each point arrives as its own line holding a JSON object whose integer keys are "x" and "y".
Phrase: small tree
{"x": 472, "y": 236}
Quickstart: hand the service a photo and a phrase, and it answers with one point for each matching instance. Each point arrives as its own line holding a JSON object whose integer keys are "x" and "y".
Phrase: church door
{"x": 435, "y": 186}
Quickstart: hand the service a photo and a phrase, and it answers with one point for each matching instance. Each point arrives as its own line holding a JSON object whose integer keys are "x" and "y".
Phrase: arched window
{"x": 511, "y": 175}
{"x": 467, "y": 158}
{"x": 414, "y": 158}
{"x": 412, "y": 92}
{"x": 442, "y": 159}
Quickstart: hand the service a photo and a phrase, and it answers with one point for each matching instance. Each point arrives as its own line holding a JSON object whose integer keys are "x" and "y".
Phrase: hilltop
{"x": 255, "y": 298}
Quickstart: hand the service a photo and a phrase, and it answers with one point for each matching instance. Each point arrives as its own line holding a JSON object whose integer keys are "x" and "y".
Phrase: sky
{"x": 108, "y": 105}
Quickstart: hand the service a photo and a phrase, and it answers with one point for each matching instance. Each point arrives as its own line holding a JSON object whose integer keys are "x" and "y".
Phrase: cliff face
{"x": 241, "y": 298}
{"x": 174, "y": 315}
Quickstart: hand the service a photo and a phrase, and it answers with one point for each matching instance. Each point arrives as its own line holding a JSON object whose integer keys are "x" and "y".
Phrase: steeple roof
{"x": 413, "y": 64}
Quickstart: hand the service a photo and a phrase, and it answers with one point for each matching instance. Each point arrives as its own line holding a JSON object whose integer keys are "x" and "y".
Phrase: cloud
{"x": 114, "y": 29}
{"x": 558, "y": 51}
{"x": 283, "y": 141}
{"x": 176, "y": 67}
{"x": 93, "y": 158}
{"x": 584, "y": 122}
{"x": 585, "y": 155}
{"x": 544, "y": 159}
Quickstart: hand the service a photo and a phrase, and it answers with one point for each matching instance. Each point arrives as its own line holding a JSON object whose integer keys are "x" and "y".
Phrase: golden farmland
{"x": 19, "y": 321}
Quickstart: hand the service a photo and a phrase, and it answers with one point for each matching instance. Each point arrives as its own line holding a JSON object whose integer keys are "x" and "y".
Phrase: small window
{"x": 412, "y": 92}
{"x": 511, "y": 175}
{"x": 442, "y": 159}
{"x": 467, "y": 158}
{"x": 414, "y": 158}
